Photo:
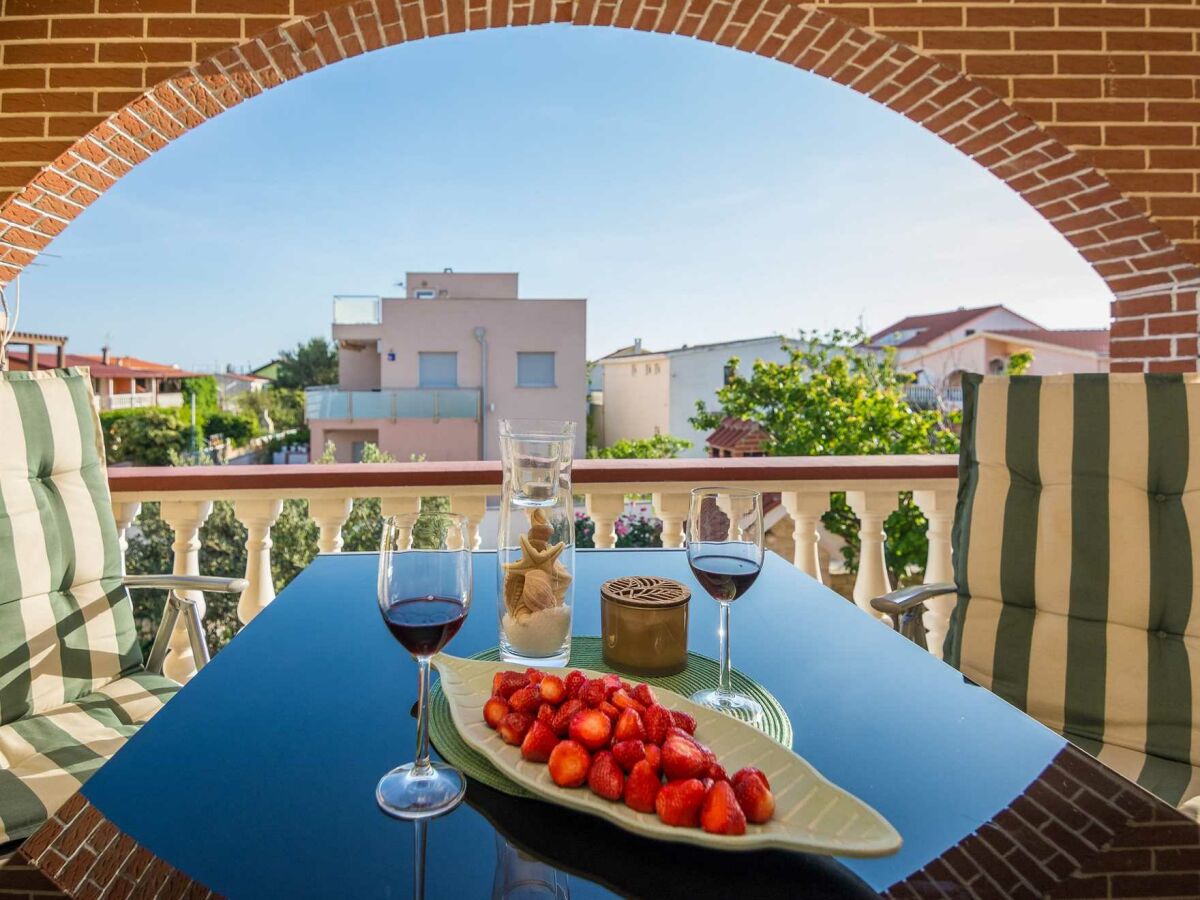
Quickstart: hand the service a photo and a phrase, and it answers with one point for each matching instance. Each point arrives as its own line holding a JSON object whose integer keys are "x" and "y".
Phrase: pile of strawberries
{"x": 623, "y": 743}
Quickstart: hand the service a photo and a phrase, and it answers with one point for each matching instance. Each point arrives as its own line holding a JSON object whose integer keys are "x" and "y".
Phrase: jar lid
{"x": 646, "y": 591}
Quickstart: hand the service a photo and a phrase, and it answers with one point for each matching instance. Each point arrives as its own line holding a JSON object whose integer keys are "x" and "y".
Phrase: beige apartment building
{"x": 431, "y": 373}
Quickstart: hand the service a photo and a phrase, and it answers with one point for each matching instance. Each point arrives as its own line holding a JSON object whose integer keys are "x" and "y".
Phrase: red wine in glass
{"x": 725, "y": 577}
{"x": 424, "y": 625}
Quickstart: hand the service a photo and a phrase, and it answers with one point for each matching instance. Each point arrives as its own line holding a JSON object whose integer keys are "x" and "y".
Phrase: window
{"x": 535, "y": 370}
{"x": 425, "y": 294}
{"x": 730, "y": 373}
{"x": 438, "y": 370}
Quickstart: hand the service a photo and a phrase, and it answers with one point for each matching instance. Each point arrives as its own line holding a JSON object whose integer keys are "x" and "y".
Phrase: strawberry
{"x": 505, "y": 683}
{"x": 539, "y": 741}
{"x": 592, "y": 693}
{"x": 642, "y": 787}
{"x": 679, "y": 802}
{"x": 534, "y": 676}
{"x": 569, "y": 764}
{"x": 644, "y": 694}
{"x": 575, "y": 682}
{"x": 494, "y": 710}
{"x": 552, "y": 689}
{"x": 755, "y": 798}
{"x": 513, "y": 727}
{"x": 609, "y": 710}
{"x": 605, "y": 777}
{"x": 682, "y": 759}
{"x": 707, "y": 782}
{"x": 679, "y": 732}
{"x": 525, "y": 700}
{"x": 622, "y": 699}
{"x": 591, "y": 728}
{"x": 545, "y": 713}
{"x": 656, "y": 720}
{"x": 628, "y": 753}
{"x": 629, "y": 726}
{"x": 716, "y": 771}
{"x": 562, "y": 717}
{"x": 748, "y": 771}
{"x": 612, "y": 684}
{"x": 720, "y": 812}
{"x": 684, "y": 721}
{"x": 654, "y": 756}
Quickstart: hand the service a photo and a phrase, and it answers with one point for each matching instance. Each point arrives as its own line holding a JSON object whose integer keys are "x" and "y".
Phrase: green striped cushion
{"x": 66, "y": 623}
{"x": 1077, "y": 528}
{"x": 46, "y": 757}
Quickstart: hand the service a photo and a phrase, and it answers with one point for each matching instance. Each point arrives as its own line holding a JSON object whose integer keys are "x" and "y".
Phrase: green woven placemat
{"x": 587, "y": 653}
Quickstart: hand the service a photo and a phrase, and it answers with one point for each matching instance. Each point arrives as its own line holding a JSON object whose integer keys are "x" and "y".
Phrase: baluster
{"x": 330, "y": 514}
{"x": 258, "y": 516}
{"x": 124, "y": 513}
{"x": 872, "y": 508}
{"x": 938, "y": 507}
{"x": 806, "y": 510}
{"x": 604, "y": 511}
{"x": 474, "y": 507}
{"x": 184, "y": 517}
{"x": 673, "y": 510}
{"x": 399, "y": 506}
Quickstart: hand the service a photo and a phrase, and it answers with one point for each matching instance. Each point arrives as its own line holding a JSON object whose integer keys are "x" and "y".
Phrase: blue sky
{"x": 691, "y": 192}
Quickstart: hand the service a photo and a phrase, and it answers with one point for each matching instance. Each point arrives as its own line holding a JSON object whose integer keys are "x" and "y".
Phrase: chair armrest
{"x": 188, "y": 583}
{"x": 901, "y": 601}
{"x": 178, "y": 604}
{"x": 1191, "y": 808}
{"x": 906, "y": 607}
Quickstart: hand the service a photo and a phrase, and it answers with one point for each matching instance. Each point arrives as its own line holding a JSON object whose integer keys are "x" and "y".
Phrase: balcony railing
{"x": 872, "y": 485}
{"x": 400, "y": 403}
{"x": 926, "y": 396}
{"x": 353, "y": 309}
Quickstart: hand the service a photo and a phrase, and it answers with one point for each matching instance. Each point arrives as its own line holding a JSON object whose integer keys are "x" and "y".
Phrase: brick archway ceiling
{"x": 967, "y": 83}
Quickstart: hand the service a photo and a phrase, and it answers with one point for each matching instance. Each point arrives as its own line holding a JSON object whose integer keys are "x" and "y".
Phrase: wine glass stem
{"x": 420, "y": 832}
{"x": 421, "y": 766}
{"x": 726, "y": 685}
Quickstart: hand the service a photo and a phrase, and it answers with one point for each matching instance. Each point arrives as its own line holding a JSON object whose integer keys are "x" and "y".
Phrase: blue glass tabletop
{"x": 258, "y": 779}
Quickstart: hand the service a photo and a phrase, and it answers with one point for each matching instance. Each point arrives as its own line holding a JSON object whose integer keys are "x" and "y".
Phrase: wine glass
{"x": 725, "y": 552}
{"x": 424, "y": 596}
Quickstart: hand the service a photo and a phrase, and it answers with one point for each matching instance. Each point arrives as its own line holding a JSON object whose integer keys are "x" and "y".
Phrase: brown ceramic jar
{"x": 643, "y": 623}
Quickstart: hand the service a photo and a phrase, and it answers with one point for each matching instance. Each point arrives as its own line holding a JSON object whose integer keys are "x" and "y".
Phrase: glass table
{"x": 258, "y": 779}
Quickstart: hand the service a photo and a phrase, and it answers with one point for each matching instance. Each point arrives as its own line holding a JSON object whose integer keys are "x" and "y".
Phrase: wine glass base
{"x": 408, "y": 794}
{"x": 737, "y": 706}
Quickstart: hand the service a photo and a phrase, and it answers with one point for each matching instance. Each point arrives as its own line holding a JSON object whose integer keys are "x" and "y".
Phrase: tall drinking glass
{"x": 424, "y": 596}
{"x": 725, "y": 552}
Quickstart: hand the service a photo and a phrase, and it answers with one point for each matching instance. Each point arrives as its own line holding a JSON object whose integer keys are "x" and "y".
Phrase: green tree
{"x": 204, "y": 389}
{"x": 834, "y": 397}
{"x": 661, "y": 446}
{"x": 238, "y": 427}
{"x": 312, "y": 363}
{"x": 1019, "y": 363}
{"x": 143, "y": 437}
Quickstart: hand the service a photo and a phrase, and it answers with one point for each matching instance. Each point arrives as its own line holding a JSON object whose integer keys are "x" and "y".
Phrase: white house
{"x": 645, "y": 392}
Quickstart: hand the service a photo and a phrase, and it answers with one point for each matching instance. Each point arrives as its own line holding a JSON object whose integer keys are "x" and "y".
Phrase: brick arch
{"x": 1153, "y": 282}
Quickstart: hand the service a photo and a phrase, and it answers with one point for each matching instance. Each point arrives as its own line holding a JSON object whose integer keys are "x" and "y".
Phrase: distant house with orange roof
{"x": 120, "y": 382}
{"x": 939, "y": 347}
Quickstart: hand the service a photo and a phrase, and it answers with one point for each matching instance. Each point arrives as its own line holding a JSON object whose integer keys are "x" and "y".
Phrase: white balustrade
{"x": 184, "y": 517}
{"x": 672, "y": 509}
{"x": 872, "y": 508}
{"x": 604, "y": 510}
{"x": 474, "y": 507}
{"x": 124, "y": 513}
{"x": 258, "y": 515}
{"x": 872, "y": 486}
{"x": 938, "y": 508}
{"x": 330, "y": 514}
{"x": 806, "y": 509}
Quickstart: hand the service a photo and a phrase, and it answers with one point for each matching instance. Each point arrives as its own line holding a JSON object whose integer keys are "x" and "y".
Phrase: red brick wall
{"x": 1088, "y": 109}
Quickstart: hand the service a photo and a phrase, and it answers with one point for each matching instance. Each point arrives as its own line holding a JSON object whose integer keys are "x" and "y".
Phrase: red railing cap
{"x": 214, "y": 480}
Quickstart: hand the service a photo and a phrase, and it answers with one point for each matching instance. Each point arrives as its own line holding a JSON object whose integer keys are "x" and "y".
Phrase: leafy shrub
{"x": 236, "y": 427}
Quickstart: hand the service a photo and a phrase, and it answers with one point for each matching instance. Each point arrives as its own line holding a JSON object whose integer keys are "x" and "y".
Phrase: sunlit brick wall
{"x": 1113, "y": 86}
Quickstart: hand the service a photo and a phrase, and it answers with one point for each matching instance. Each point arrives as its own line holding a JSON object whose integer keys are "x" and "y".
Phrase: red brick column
{"x": 1086, "y": 109}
